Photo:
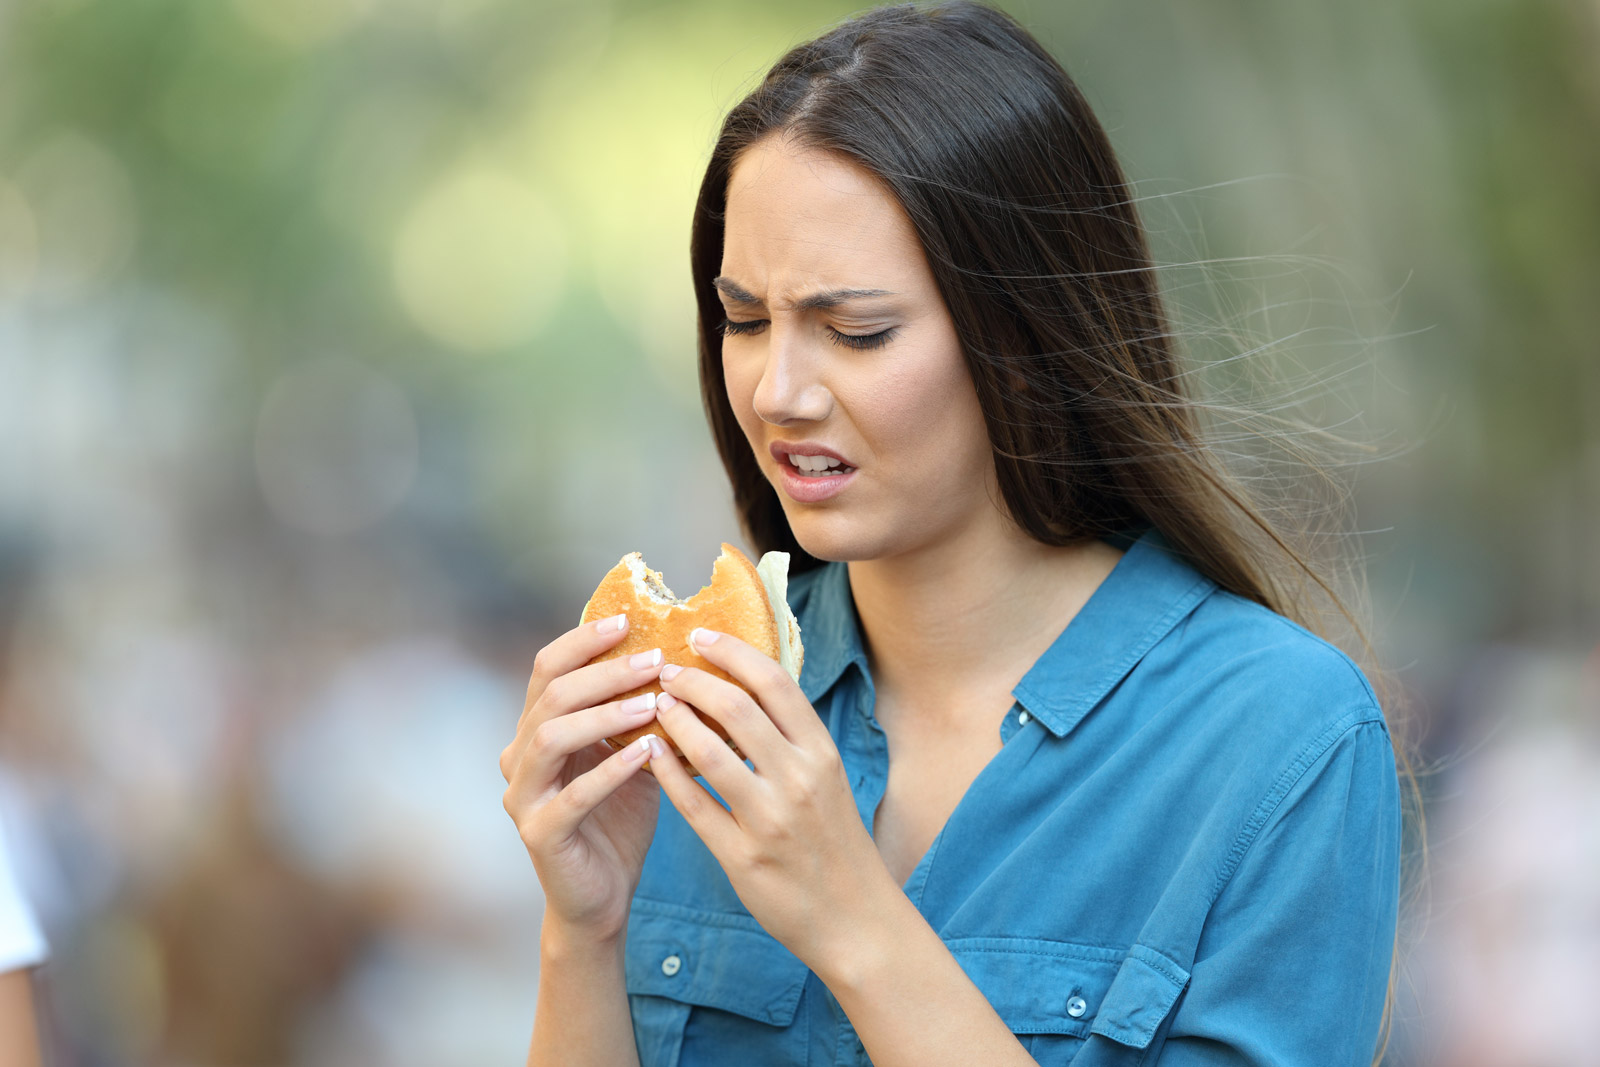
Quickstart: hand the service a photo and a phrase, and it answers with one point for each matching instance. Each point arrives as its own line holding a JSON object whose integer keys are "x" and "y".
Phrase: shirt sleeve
{"x": 22, "y": 943}
{"x": 1292, "y": 965}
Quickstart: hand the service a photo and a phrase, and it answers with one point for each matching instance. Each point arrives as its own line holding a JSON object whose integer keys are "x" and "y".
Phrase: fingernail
{"x": 665, "y": 701}
{"x": 657, "y": 748}
{"x": 641, "y": 661}
{"x": 670, "y": 671}
{"x": 611, "y": 625}
{"x": 639, "y": 749}
{"x": 642, "y": 702}
{"x": 702, "y": 636}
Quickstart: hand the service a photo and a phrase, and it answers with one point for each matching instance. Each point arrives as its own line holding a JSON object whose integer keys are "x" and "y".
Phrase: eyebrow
{"x": 828, "y": 298}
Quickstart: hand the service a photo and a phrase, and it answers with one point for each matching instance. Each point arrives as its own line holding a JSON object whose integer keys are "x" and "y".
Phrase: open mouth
{"x": 813, "y": 467}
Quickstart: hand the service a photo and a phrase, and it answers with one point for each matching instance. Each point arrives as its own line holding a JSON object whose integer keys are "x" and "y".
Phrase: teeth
{"x": 814, "y": 464}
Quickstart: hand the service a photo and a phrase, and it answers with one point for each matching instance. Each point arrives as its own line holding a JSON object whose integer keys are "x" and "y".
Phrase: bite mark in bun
{"x": 749, "y": 602}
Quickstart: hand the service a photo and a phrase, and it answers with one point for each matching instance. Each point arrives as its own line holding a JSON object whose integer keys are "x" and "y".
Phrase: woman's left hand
{"x": 791, "y": 841}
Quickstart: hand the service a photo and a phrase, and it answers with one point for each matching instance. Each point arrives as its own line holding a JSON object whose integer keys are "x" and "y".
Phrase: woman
{"x": 1060, "y": 780}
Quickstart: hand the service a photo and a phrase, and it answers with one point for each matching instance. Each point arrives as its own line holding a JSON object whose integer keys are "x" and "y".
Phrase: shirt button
{"x": 1076, "y": 1007}
{"x": 671, "y": 965}
{"x": 1023, "y": 718}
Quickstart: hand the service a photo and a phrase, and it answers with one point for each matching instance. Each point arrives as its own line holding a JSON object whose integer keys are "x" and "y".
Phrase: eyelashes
{"x": 857, "y": 341}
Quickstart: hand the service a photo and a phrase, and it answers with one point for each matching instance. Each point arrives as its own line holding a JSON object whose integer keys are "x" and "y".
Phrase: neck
{"x": 950, "y": 621}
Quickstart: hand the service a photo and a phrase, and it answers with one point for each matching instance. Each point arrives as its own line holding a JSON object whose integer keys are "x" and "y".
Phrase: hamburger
{"x": 749, "y": 601}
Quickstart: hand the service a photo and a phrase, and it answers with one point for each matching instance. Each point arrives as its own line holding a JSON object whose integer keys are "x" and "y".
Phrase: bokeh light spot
{"x": 479, "y": 261}
{"x": 19, "y": 242}
{"x": 301, "y": 23}
{"x": 83, "y": 209}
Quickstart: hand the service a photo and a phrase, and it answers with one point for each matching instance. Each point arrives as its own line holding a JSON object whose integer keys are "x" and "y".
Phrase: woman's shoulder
{"x": 1265, "y": 675}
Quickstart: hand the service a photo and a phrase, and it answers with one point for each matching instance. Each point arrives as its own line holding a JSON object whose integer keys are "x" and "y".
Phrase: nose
{"x": 791, "y": 388}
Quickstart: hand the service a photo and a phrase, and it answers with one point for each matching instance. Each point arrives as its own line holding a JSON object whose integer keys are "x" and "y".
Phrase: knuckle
{"x": 546, "y": 735}
{"x": 542, "y": 663}
{"x": 774, "y": 676}
{"x": 826, "y": 765}
{"x": 738, "y": 708}
{"x": 692, "y": 806}
{"x": 805, "y": 791}
{"x": 709, "y": 755}
{"x": 571, "y": 799}
{"x": 506, "y": 761}
{"x": 555, "y": 692}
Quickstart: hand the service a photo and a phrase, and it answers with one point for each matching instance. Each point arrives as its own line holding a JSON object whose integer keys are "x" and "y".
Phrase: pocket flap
{"x": 1037, "y": 986}
{"x": 714, "y": 960}
{"x": 1143, "y": 992}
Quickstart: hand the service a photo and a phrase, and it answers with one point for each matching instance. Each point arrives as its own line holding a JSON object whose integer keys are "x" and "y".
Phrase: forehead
{"x": 800, "y": 216}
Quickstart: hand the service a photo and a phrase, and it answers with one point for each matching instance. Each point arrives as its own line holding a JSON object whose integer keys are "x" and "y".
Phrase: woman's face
{"x": 838, "y": 338}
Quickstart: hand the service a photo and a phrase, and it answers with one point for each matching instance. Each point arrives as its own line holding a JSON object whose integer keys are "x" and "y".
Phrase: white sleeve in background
{"x": 22, "y": 943}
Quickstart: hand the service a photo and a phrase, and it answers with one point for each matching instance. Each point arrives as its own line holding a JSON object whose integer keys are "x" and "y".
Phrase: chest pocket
{"x": 711, "y": 988}
{"x": 1054, "y": 995}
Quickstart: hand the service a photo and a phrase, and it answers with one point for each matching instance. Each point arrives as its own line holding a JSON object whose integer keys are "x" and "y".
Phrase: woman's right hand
{"x": 585, "y": 812}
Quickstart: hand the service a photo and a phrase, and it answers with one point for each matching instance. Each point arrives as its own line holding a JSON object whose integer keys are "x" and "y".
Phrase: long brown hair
{"x": 1032, "y": 235}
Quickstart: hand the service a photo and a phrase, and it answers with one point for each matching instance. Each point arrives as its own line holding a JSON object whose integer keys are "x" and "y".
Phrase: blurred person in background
{"x": 916, "y": 261}
{"x": 22, "y": 948}
{"x": 22, "y": 942}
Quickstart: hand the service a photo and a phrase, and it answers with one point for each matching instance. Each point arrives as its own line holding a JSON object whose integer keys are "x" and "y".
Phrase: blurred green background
{"x": 344, "y": 343}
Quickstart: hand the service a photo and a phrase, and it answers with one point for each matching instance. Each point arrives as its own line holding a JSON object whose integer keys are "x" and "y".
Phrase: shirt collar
{"x": 832, "y": 638}
{"x": 1147, "y": 593}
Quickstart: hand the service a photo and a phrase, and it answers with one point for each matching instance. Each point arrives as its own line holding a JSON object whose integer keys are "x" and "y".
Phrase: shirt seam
{"x": 964, "y": 944}
{"x": 1158, "y": 966}
{"x": 1284, "y": 785}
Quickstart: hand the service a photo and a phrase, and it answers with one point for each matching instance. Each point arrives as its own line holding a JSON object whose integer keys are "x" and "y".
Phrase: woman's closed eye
{"x": 735, "y": 328}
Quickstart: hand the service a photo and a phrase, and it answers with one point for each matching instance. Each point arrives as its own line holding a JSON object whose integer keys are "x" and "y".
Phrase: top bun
{"x": 748, "y": 602}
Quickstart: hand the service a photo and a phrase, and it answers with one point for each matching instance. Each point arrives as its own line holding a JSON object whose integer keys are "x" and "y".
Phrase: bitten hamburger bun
{"x": 749, "y": 602}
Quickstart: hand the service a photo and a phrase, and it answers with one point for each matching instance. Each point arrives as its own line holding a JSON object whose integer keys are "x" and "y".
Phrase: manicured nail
{"x": 643, "y": 661}
{"x": 670, "y": 671}
{"x": 611, "y": 625}
{"x": 665, "y": 701}
{"x": 702, "y": 636}
{"x": 640, "y": 703}
{"x": 657, "y": 747}
{"x": 638, "y": 750}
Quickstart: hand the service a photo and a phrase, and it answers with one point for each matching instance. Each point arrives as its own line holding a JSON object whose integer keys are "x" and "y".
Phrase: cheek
{"x": 931, "y": 402}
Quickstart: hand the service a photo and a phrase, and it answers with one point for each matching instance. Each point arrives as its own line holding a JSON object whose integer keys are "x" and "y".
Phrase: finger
{"x": 734, "y": 709}
{"x": 586, "y": 687}
{"x": 709, "y": 753}
{"x": 592, "y": 685}
{"x": 708, "y": 819}
{"x": 586, "y": 792}
{"x": 555, "y": 740}
{"x": 777, "y": 693}
{"x": 572, "y": 650}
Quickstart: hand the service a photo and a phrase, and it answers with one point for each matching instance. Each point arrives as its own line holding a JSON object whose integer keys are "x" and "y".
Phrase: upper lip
{"x": 782, "y": 450}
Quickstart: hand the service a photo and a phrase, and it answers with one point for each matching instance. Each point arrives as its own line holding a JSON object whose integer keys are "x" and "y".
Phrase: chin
{"x": 837, "y": 537}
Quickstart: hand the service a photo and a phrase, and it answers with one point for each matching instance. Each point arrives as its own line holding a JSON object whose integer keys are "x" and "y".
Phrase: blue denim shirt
{"x": 1185, "y": 852}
